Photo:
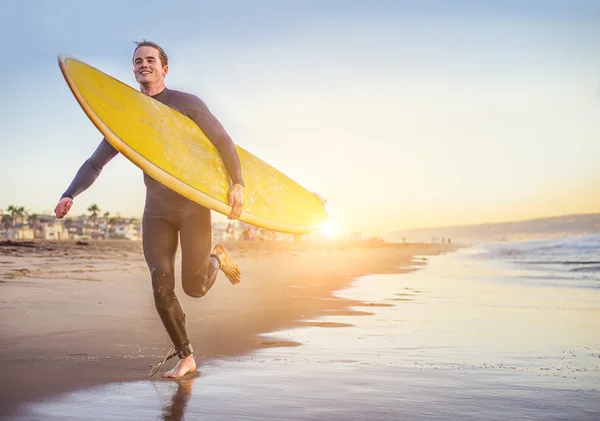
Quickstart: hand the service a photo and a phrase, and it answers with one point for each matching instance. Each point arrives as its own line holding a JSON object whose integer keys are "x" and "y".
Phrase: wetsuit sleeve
{"x": 215, "y": 132}
{"x": 91, "y": 169}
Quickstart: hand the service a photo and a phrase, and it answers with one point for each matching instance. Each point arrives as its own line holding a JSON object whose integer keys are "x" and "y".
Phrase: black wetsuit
{"x": 167, "y": 214}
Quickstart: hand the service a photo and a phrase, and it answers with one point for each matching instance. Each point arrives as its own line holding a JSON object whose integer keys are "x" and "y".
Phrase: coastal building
{"x": 17, "y": 233}
{"x": 128, "y": 231}
{"x": 51, "y": 231}
{"x": 48, "y": 227}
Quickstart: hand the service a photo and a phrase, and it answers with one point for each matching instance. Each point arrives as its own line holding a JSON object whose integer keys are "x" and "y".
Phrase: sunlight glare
{"x": 330, "y": 229}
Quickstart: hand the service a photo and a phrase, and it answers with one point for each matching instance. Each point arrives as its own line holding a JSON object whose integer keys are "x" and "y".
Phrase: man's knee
{"x": 195, "y": 291}
{"x": 163, "y": 286}
{"x": 197, "y": 284}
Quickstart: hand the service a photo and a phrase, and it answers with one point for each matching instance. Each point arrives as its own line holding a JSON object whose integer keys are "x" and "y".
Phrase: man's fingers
{"x": 236, "y": 210}
{"x": 236, "y": 201}
{"x": 62, "y": 208}
{"x": 232, "y": 214}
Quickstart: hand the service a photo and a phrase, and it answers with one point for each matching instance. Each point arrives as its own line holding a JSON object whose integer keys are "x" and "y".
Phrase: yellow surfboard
{"x": 172, "y": 149}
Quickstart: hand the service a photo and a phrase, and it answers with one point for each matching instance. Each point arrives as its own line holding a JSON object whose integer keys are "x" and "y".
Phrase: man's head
{"x": 150, "y": 63}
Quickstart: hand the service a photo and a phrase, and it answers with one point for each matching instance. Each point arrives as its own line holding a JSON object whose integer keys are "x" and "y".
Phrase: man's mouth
{"x": 145, "y": 72}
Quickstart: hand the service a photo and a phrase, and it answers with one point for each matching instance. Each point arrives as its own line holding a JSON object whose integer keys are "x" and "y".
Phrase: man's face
{"x": 147, "y": 66}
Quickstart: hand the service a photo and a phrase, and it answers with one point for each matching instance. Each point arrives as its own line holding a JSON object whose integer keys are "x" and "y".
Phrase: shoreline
{"x": 47, "y": 337}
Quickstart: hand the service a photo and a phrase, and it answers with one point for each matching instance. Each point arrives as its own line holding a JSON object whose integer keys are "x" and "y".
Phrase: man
{"x": 167, "y": 214}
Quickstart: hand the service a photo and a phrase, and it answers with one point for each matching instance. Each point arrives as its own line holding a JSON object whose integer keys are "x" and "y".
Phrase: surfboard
{"x": 172, "y": 149}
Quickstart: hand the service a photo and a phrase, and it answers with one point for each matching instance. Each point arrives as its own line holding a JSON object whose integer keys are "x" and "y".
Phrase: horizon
{"x": 403, "y": 116}
{"x": 396, "y": 231}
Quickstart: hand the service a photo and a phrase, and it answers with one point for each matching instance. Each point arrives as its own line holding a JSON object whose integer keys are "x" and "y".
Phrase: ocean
{"x": 572, "y": 262}
{"x": 501, "y": 331}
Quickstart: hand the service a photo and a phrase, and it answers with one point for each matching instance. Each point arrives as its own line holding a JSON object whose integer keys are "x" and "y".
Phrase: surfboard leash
{"x": 168, "y": 356}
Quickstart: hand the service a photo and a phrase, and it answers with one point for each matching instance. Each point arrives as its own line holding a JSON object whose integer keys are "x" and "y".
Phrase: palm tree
{"x": 21, "y": 213}
{"x": 94, "y": 209}
{"x": 12, "y": 209}
{"x": 6, "y": 221}
{"x": 105, "y": 219}
{"x": 33, "y": 218}
{"x": 16, "y": 213}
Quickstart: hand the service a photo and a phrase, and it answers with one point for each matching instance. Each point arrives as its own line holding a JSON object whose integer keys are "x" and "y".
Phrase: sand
{"x": 77, "y": 315}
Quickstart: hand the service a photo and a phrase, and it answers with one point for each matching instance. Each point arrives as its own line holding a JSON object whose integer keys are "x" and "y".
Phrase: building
{"x": 17, "y": 233}
{"x": 127, "y": 230}
{"x": 51, "y": 231}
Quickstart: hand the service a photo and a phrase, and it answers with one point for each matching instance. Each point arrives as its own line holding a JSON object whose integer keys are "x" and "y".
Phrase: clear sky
{"x": 402, "y": 114}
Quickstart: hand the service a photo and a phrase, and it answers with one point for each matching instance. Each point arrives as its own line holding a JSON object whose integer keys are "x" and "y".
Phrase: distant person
{"x": 168, "y": 214}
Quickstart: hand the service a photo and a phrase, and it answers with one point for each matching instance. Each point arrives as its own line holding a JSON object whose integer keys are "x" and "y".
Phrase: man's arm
{"x": 215, "y": 132}
{"x": 91, "y": 169}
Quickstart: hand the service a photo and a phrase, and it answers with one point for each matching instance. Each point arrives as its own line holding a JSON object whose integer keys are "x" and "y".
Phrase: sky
{"x": 402, "y": 114}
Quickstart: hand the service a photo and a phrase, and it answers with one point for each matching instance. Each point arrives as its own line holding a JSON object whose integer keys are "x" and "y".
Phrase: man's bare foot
{"x": 228, "y": 266}
{"x": 184, "y": 366}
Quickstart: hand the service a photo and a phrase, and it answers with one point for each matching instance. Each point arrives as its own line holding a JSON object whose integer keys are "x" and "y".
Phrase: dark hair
{"x": 161, "y": 53}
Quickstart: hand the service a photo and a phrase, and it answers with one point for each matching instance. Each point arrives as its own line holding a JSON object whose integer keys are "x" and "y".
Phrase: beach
{"x": 80, "y": 314}
{"x": 373, "y": 168}
{"x": 313, "y": 332}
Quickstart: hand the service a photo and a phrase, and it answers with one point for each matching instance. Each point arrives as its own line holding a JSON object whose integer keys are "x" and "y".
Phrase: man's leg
{"x": 198, "y": 268}
{"x": 199, "y": 265}
{"x": 160, "y": 246}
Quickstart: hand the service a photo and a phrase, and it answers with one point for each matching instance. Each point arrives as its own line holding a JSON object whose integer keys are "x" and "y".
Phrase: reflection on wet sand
{"x": 174, "y": 410}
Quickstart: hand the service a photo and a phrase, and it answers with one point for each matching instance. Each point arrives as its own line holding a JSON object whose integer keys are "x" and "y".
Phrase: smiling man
{"x": 168, "y": 215}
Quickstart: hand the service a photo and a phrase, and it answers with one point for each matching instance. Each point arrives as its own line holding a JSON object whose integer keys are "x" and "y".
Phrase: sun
{"x": 330, "y": 229}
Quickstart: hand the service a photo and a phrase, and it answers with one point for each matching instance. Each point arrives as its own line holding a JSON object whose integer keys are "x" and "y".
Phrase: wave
{"x": 558, "y": 262}
{"x": 569, "y": 261}
{"x": 590, "y": 269}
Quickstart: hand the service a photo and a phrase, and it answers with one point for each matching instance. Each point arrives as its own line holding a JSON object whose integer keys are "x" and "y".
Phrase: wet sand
{"x": 450, "y": 341}
{"x": 80, "y": 315}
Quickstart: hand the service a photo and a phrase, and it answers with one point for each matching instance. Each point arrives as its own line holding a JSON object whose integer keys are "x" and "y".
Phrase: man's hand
{"x": 63, "y": 207}
{"x": 236, "y": 201}
{"x": 323, "y": 201}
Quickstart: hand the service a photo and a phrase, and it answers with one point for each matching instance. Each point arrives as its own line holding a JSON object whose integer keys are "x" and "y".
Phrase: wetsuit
{"x": 167, "y": 214}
